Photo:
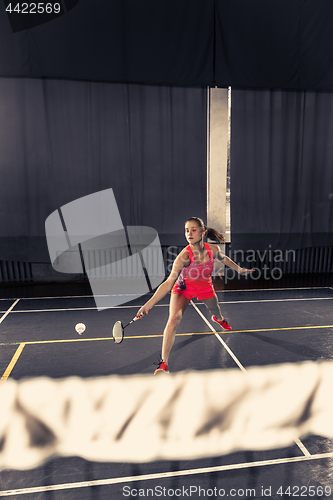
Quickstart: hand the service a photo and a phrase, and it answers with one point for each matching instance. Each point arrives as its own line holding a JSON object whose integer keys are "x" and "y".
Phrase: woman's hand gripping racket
{"x": 118, "y": 328}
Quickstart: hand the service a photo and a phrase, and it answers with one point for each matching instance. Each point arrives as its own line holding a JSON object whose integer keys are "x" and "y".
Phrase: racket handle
{"x": 136, "y": 318}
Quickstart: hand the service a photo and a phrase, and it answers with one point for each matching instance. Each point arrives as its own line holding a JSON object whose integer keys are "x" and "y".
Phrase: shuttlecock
{"x": 80, "y": 327}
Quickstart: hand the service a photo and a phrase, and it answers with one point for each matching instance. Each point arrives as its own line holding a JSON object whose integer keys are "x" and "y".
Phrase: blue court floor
{"x": 270, "y": 326}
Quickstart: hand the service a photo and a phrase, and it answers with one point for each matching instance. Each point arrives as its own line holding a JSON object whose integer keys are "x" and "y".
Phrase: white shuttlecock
{"x": 80, "y": 327}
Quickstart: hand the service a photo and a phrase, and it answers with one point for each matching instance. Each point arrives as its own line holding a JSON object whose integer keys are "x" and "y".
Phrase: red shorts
{"x": 191, "y": 291}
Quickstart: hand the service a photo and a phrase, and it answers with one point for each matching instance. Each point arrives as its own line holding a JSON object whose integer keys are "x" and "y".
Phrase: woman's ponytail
{"x": 214, "y": 235}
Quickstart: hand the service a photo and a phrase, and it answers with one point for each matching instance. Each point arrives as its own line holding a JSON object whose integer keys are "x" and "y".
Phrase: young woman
{"x": 192, "y": 269}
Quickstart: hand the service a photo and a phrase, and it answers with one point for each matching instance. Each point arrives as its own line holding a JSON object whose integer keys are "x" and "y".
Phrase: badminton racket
{"x": 118, "y": 329}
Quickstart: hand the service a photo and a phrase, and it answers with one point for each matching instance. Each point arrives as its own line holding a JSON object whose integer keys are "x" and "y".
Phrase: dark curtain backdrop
{"x": 281, "y": 169}
{"x": 166, "y": 42}
{"x": 61, "y": 140}
{"x": 274, "y": 44}
{"x": 239, "y": 43}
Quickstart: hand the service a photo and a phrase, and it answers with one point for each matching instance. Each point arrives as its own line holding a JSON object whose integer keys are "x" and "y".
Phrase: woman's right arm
{"x": 181, "y": 260}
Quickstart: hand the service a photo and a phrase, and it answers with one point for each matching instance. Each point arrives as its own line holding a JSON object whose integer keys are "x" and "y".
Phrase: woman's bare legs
{"x": 178, "y": 304}
{"x": 213, "y": 307}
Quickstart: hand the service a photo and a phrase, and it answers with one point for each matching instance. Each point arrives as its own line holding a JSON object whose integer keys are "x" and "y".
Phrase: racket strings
{"x": 118, "y": 332}
{"x": 118, "y": 329}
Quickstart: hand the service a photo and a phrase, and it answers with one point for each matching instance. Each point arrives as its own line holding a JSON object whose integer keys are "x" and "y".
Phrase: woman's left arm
{"x": 230, "y": 263}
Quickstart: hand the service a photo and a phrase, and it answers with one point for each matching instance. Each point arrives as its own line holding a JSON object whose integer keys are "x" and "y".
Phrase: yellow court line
{"x": 13, "y": 361}
{"x": 280, "y": 329}
{"x": 33, "y": 342}
{"x": 161, "y": 335}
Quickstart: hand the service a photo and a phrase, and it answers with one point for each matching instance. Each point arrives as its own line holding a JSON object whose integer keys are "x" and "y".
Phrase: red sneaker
{"x": 161, "y": 367}
{"x": 223, "y": 323}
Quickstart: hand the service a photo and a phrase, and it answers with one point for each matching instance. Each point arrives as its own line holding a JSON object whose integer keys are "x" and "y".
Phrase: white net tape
{"x": 182, "y": 416}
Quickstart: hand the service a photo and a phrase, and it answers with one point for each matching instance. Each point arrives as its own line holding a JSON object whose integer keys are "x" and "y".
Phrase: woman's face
{"x": 193, "y": 232}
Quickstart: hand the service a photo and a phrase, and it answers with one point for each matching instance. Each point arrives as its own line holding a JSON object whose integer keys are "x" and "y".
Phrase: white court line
{"x": 297, "y": 441}
{"x": 58, "y": 310}
{"x": 81, "y": 309}
{"x": 272, "y": 300}
{"x": 276, "y": 289}
{"x": 302, "y": 448}
{"x": 163, "y": 475}
{"x": 217, "y": 291}
{"x": 167, "y": 305}
{"x": 78, "y": 296}
{"x": 8, "y": 310}
{"x": 238, "y": 363}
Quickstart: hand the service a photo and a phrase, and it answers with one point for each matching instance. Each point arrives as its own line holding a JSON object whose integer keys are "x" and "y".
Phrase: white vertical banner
{"x": 217, "y": 163}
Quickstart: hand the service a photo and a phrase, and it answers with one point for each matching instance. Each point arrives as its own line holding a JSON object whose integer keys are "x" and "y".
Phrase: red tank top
{"x": 198, "y": 272}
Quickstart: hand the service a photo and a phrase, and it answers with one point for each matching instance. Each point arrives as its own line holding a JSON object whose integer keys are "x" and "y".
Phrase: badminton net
{"x": 186, "y": 415}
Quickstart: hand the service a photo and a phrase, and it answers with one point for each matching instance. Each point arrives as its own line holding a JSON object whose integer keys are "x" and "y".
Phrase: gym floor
{"x": 287, "y": 323}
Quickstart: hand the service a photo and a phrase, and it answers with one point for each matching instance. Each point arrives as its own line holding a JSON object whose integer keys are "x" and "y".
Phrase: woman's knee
{"x": 174, "y": 318}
